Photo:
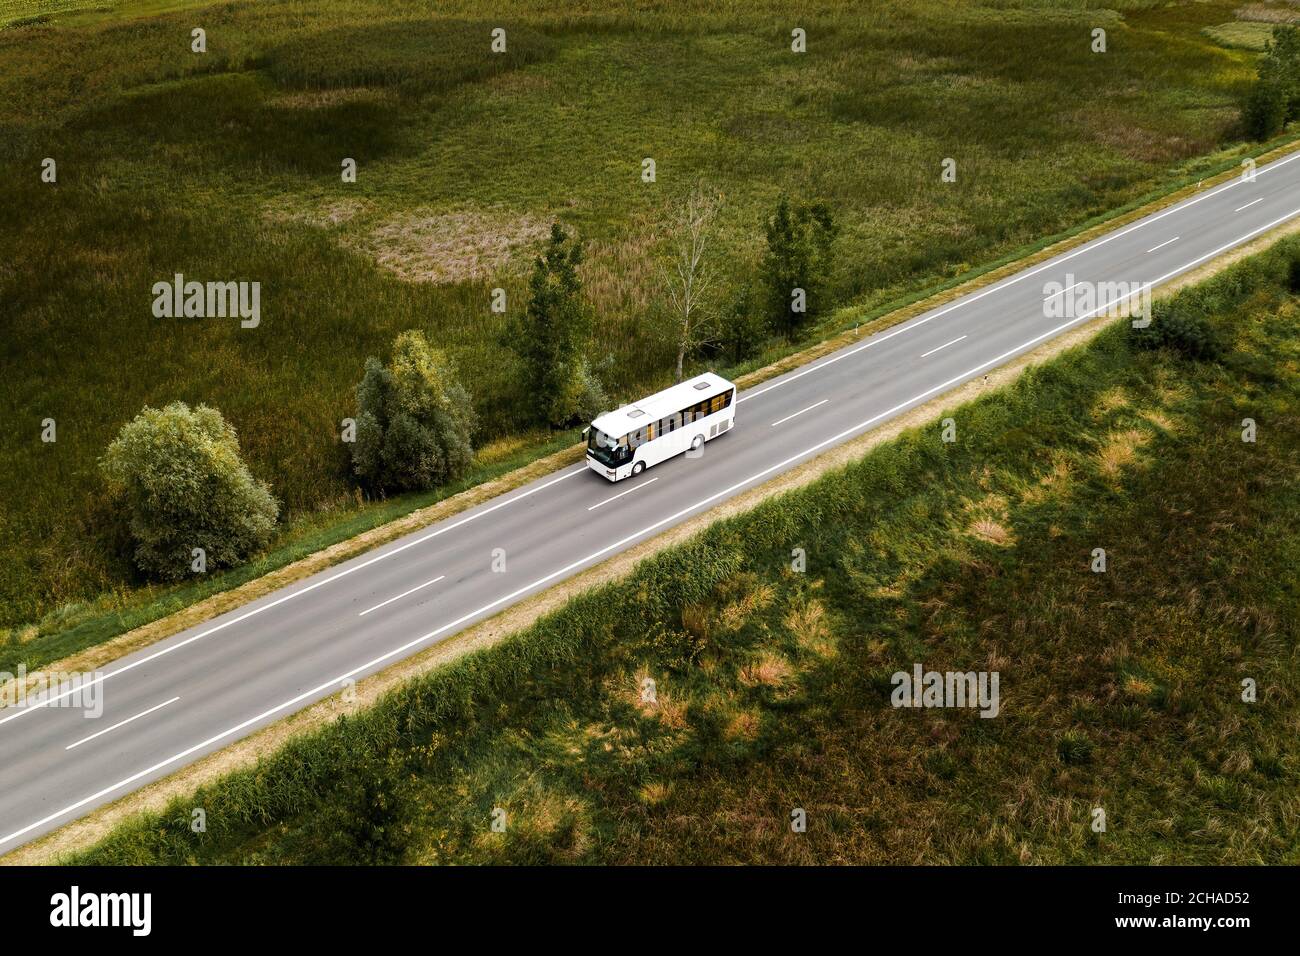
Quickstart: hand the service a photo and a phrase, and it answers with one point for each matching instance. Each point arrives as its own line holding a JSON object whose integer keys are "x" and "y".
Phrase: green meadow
{"x": 226, "y": 165}
{"x": 1162, "y": 689}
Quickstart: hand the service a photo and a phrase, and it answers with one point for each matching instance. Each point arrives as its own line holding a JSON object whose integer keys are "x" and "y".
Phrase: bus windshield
{"x": 610, "y": 452}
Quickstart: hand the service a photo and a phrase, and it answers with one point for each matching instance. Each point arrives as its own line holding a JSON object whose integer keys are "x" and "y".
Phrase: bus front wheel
{"x": 638, "y": 468}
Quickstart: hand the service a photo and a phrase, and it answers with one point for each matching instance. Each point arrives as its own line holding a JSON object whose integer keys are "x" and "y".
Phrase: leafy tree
{"x": 185, "y": 486}
{"x": 1293, "y": 276}
{"x": 553, "y": 334}
{"x": 1265, "y": 110}
{"x": 688, "y": 274}
{"x": 1274, "y": 100}
{"x": 798, "y": 256}
{"x": 414, "y": 420}
{"x": 1281, "y": 65}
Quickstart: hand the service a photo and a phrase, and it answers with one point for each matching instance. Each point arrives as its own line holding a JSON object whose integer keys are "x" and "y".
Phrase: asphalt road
{"x": 202, "y": 689}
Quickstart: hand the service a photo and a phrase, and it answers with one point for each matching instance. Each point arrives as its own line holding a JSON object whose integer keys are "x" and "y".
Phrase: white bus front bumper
{"x": 611, "y": 473}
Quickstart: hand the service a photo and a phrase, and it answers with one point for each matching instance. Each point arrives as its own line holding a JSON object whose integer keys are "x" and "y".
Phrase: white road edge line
{"x": 37, "y": 705}
{"x": 620, "y": 543}
{"x": 1249, "y": 204}
{"x": 400, "y": 596}
{"x": 942, "y": 347}
{"x": 622, "y": 493}
{"x": 1019, "y": 277}
{"x": 1163, "y": 244}
{"x": 782, "y": 421}
{"x": 122, "y": 723}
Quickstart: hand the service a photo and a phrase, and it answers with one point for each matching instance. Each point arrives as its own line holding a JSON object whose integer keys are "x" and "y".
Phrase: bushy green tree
{"x": 179, "y": 472}
{"x": 414, "y": 420}
{"x": 1264, "y": 114}
{"x": 1182, "y": 329}
{"x": 552, "y": 335}
{"x": 798, "y": 256}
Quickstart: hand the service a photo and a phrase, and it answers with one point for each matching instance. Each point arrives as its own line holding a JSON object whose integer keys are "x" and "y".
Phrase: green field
{"x": 225, "y": 166}
{"x": 1119, "y": 690}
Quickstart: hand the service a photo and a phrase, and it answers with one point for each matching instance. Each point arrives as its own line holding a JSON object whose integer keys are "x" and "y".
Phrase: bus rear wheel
{"x": 697, "y": 442}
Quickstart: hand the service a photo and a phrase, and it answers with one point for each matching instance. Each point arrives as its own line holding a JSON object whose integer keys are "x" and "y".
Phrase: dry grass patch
{"x": 1268, "y": 13}
{"x": 808, "y": 623}
{"x": 323, "y": 214}
{"x": 1160, "y": 420}
{"x": 1120, "y": 451}
{"x": 655, "y": 792}
{"x": 768, "y": 670}
{"x": 734, "y": 614}
{"x": 1116, "y": 130}
{"x": 989, "y": 519}
{"x": 621, "y": 279}
{"x": 744, "y": 726}
{"x": 1056, "y": 481}
{"x": 320, "y": 99}
{"x": 986, "y": 529}
{"x": 1110, "y": 400}
{"x": 453, "y": 245}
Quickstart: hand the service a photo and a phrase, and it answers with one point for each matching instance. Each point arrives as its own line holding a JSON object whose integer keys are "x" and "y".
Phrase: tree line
{"x": 191, "y": 504}
{"x": 1274, "y": 98}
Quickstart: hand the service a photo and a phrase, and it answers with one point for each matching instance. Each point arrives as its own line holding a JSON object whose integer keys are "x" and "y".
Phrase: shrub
{"x": 1182, "y": 330}
{"x": 1074, "y": 747}
{"x": 1293, "y": 276}
{"x": 186, "y": 487}
{"x": 370, "y": 817}
{"x": 743, "y": 328}
{"x": 800, "y": 241}
{"x": 414, "y": 420}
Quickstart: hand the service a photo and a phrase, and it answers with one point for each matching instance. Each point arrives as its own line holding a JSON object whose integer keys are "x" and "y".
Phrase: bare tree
{"x": 688, "y": 275}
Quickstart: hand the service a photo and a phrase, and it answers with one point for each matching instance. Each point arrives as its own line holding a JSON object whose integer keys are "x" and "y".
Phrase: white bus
{"x": 630, "y": 440}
